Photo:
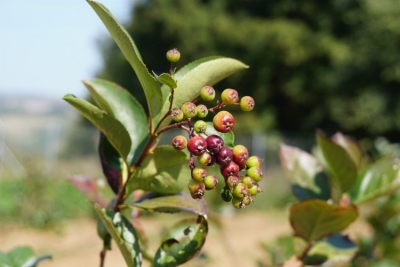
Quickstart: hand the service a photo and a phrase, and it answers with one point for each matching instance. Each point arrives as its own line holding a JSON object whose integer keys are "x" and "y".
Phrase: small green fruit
{"x": 177, "y": 114}
{"x": 207, "y": 93}
{"x": 173, "y": 55}
{"x": 229, "y": 96}
{"x": 240, "y": 190}
{"x": 200, "y": 126}
{"x": 238, "y": 203}
{"x": 210, "y": 181}
{"x": 247, "y": 103}
{"x": 189, "y": 110}
{"x": 256, "y": 173}
{"x": 202, "y": 111}
{"x": 199, "y": 174}
{"x": 253, "y": 161}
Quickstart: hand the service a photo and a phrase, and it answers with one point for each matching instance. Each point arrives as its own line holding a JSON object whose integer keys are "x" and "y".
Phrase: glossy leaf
{"x": 113, "y": 129}
{"x": 305, "y": 172}
{"x": 21, "y": 257}
{"x": 174, "y": 203}
{"x": 203, "y": 72}
{"x": 379, "y": 179}
{"x": 339, "y": 163}
{"x": 111, "y": 163}
{"x": 351, "y": 146}
{"x": 123, "y": 234}
{"x": 104, "y": 235}
{"x": 335, "y": 249}
{"x": 182, "y": 243}
{"x": 167, "y": 80}
{"x": 165, "y": 171}
{"x": 229, "y": 137}
{"x": 121, "y": 37}
{"x": 119, "y": 103}
{"x": 314, "y": 219}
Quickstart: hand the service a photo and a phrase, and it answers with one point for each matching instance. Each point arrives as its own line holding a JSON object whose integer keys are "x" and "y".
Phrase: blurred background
{"x": 332, "y": 65}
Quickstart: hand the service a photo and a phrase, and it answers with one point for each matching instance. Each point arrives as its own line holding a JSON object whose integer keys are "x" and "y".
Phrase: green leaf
{"x": 182, "y": 243}
{"x": 167, "y": 80}
{"x": 200, "y": 73}
{"x": 340, "y": 164}
{"x": 305, "y": 172}
{"x": 379, "y": 179}
{"x": 123, "y": 233}
{"x": 314, "y": 219}
{"x": 113, "y": 129}
{"x": 121, "y": 37}
{"x": 175, "y": 203}
{"x": 104, "y": 235}
{"x": 352, "y": 148}
{"x": 229, "y": 137}
{"x": 119, "y": 103}
{"x": 21, "y": 257}
{"x": 165, "y": 171}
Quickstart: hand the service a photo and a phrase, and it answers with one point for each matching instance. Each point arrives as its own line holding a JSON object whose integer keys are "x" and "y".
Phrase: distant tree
{"x": 333, "y": 65}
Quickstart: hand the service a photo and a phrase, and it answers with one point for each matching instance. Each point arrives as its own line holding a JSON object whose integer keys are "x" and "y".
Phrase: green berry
{"x": 232, "y": 181}
{"x": 247, "y": 200}
{"x": 248, "y": 181}
{"x": 173, "y": 55}
{"x": 226, "y": 194}
{"x": 210, "y": 181}
{"x": 238, "y": 203}
{"x": 206, "y": 159}
{"x": 199, "y": 174}
{"x": 253, "y": 161}
{"x": 247, "y": 103}
{"x": 200, "y": 126}
{"x": 189, "y": 110}
{"x": 179, "y": 142}
{"x": 229, "y": 96}
{"x": 177, "y": 114}
{"x": 202, "y": 111}
{"x": 256, "y": 173}
{"x": 207, "y": 93}
{"x": 254, "y": 190}
{"x": 240, "y": 190}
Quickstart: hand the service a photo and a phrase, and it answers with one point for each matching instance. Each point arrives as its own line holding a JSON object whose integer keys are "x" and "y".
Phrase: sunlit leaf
{"x": 313, "y": 219}
{"x": 123, "y": 234}
{"x": 164, "y": 171}
{"x": 149, "y": 84}
{"x": 182, "y": 243}
{"x": 167, "y": 80}
{"x": 21, "y": 257}
{"x": 352, "y": 148}
{"x": 379, "y": 179}
{"x": 229, "y": 137}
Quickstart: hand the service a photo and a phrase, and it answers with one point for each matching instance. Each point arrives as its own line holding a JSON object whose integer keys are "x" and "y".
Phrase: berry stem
{"x": 306, "y": 250}
{"x": 172, "y": 126}
{"x": 102, "y": 257}
{"x": 218, "y": 106}
{"x": 171, "y": 100}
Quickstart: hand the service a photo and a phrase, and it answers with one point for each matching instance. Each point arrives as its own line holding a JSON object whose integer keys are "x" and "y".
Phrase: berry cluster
{"x": 211, "y": 149}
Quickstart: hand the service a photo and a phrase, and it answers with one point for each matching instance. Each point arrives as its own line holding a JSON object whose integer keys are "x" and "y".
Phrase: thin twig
{"x": 102, "y": 257}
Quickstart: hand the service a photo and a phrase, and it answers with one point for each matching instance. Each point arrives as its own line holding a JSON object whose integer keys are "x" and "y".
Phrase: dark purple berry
{"x": 197, "y": 145}
{"x": 224, "y": 156}
{"x": 214, "y": 143}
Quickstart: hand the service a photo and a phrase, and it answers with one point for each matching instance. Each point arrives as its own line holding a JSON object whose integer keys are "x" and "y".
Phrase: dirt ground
{"x": 77, "y": 244}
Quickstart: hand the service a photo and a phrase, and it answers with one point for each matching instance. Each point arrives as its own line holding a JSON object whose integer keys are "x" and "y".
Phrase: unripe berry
{"x": 224, "y": 156}
{"x": 196, "y": 189}
{"x": 206, "y": 159}
{"x": 253, "y": 161}
{"x": 189, "y": 109}
{"x": 238, "y": 203}
{"x": 179, "y": 142}
{"x": 173, "y": 55}
{"x": 256, "y": 173}
{"x": 200, "y": 126}
{"x": 247, "y": 103}
{"x": 223, "y": 121}
{"x": 247, "y": 200}
{"x": 214, "y": 143}
{"x": 240, "y": 155}
{"x": 210, "y": 182}
{"x": 199, "y": 174}
{"x": 240, "y": 190}
{"x": 254, "y": 190}
{"x": 232, "y": 169}
{"x": 197, "y": 145}
{"x": 232, "y": 181}
{"x": 229, "y": 96}
{"x": 207, "y": 93}
{"x": 226, "y": 194}
{"x": 201, "y": 111}
{"x": 177, "y": 114}
{"x": 248, "y": 181}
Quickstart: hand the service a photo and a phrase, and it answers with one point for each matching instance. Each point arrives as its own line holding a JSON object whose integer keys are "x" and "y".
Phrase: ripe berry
{"x": 207, "y": 93}
{"x": 240, "y": 155}
{"x": 247, "y": 103}
{"x": 201, "y": 111}
{"x": 173, "y": 55}
{"x": 256, "y": 173}
{"x": 196, "y": 189}
{"x": 179, "y": 142}
{"x": 206, "y": 159}
{"x": 199, "y": 174}
{"x": 224, "y": 156}
{"x": 189, "y": 109}
{"x": 214, "y": 143}
{"x": 240, "y": 190}
{"x": 226, "y": 194}
{"x": 177, "y": 114}
{"x": 232, "y": 181}
{"x": 200, "y": 126}
{"x": 253, "y": 161}
{"x": 232, "y": 169}
{"x": 229, "y": 96}
{"x": 223, "y": 121}
{"x": 210, "y": 182}
{"x": 197, "y": 145}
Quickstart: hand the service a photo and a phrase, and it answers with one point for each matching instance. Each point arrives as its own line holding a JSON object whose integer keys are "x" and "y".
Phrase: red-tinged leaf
{"x": 111, "y": 163}
{"x": 88, "y": 187}
{"x": 314, "y": 219}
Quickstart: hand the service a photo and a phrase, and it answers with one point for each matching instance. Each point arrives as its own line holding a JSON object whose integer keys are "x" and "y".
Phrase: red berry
{"x": 247, "y": 103}
{"x": 179, "y": 142}
{"x": 232, "y": 169}
{"x": 214, "y": 143}
{"x": 229, "y": 96}
{"x": 223, "y": 121}
{"x": 240, "y": 155}
{"x": 197, "y": 145}
{"x": 224, "y": 156}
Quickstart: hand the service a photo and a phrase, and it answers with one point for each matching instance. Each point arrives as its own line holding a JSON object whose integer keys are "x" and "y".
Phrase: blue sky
{"x": 47, "y": 47}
